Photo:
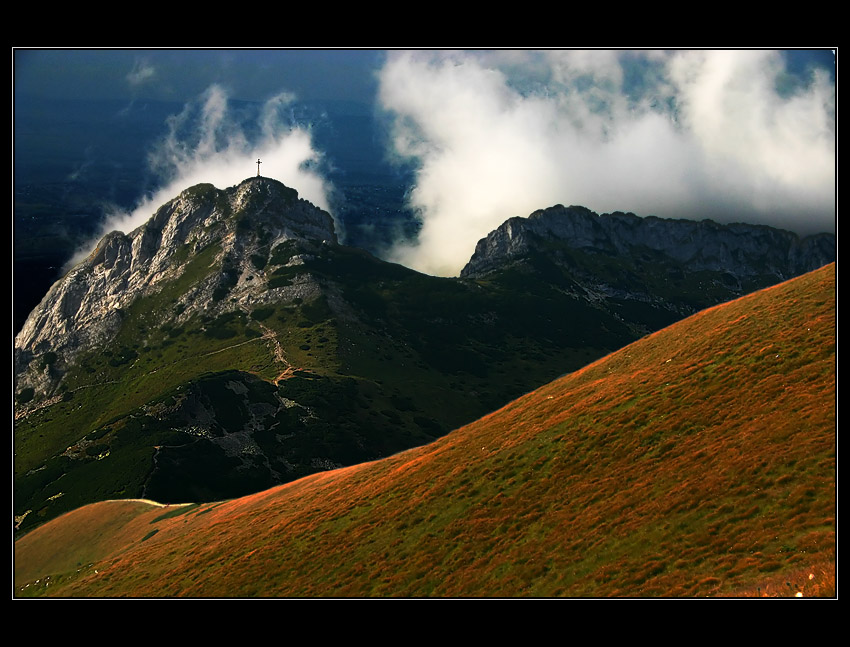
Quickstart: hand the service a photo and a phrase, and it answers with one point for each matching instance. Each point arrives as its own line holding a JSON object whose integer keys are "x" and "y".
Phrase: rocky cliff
{"x": 739, "y": 250}
{"x": 230, "y": 233}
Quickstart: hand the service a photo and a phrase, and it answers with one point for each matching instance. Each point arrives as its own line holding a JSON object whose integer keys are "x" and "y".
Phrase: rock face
{"x": 741, "y": 250}
{"x": 84, "y": 309}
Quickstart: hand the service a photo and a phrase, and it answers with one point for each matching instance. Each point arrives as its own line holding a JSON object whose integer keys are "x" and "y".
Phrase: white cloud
{"x": 206, "y": 144}
{"x": 681, "y": 134}
{"x": 142, "y": 72}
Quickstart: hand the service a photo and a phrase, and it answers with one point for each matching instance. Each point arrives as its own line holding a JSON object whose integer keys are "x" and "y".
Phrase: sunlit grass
{"x": 694, "y": 462}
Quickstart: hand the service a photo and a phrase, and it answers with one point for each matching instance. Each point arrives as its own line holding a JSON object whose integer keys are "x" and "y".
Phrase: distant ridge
{"x": 699, "y": 460}
{"x": 742, "y": 251}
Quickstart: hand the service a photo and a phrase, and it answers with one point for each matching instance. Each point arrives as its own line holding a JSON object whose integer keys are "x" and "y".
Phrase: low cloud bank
{"x": 727, "y": 135}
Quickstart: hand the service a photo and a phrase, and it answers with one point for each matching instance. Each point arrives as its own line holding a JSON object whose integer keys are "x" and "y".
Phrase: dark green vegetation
{"x": 697, "y": 461}
{"x": 341, "y": 358}
{"x": 388, "y": 360}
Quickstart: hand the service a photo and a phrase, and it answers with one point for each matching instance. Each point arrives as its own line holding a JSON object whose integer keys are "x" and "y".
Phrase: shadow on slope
{"x": 697, "y": 461}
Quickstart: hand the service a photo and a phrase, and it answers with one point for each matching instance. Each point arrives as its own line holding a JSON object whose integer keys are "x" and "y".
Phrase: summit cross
{"x": 258, "y": 166}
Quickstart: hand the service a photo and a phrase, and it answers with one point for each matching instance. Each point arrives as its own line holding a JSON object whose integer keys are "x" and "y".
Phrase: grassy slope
{"x": 403, "y": 341}
{"x": 698, "y": 461}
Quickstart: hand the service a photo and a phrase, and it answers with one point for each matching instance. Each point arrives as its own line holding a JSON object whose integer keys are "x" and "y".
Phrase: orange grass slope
{"x": 698, "y": 461}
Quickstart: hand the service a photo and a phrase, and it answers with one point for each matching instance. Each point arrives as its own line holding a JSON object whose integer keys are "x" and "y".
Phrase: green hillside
{"x": 351, "y": 375}
{"x": 259, "y": 355}
{"x": 699, "y": 460}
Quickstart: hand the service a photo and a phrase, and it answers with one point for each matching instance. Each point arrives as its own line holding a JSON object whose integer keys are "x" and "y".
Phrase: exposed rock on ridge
{"x": 84, "y": 309}
{"x": 738, "y": 249}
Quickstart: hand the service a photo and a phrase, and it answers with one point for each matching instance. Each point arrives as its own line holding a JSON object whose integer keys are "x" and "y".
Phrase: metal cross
{"x": 258, "y": 166}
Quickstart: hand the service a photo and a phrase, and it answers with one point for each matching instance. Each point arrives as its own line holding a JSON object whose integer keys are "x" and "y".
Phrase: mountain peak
{"x": 205, "y": 238}
{"x": 263, "y": 200}
{"x": 739, "y": 249}
{"x": 266, "y": 187}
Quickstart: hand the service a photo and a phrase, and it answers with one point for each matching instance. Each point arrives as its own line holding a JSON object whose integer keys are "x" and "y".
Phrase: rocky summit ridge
{"x": 211, "y": 245}
{"x": 85, "y": 308}
{"x": 740, "y": 251}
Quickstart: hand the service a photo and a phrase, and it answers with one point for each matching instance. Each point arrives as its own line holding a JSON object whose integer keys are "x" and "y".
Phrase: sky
{"x": 732, "y": 135}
